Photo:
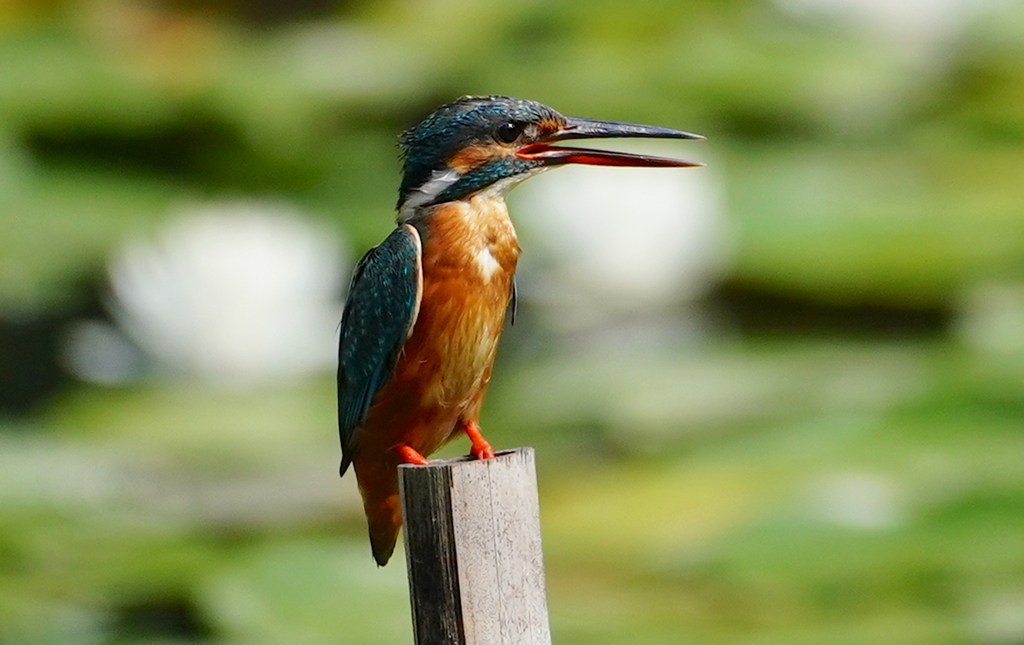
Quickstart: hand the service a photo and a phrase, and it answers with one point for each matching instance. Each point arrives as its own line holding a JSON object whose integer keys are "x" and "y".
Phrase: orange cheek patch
{"x": 472, "y": 156}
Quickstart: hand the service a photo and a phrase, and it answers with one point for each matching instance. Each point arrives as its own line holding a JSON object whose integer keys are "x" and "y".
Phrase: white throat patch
{"x": 439, "y": 181}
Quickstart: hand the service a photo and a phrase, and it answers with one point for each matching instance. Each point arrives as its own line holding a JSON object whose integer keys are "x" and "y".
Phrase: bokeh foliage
{"x": 688, "y": 497}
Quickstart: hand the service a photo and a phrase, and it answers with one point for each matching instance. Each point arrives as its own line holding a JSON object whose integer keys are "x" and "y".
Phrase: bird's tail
{"x": 378, "y": 484}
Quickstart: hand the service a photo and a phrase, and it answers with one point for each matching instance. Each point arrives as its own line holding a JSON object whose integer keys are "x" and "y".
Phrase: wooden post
{"x": 473, "y": 548}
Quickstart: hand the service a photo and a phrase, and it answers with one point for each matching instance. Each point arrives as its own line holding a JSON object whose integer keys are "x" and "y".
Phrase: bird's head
{"x": 478, "y": 143}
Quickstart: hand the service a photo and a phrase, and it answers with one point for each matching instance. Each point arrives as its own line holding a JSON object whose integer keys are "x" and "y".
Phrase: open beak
{"x": 579, "y": 128}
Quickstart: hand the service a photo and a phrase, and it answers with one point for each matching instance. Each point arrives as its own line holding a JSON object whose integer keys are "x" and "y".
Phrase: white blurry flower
{"x": 237, "y": 293}
{"x": 604, "y": 242}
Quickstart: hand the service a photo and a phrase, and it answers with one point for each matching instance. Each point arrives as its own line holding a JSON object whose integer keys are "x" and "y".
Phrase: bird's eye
{"x": 508, "y": 132}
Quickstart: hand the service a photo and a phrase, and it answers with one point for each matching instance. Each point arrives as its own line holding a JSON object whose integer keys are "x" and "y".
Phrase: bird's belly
{"x": 445, "y": 366}
{"x": 460, "y": 338}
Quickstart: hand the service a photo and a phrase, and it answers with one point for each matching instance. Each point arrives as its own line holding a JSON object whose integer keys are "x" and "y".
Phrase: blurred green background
{"x": 833, "y": 456}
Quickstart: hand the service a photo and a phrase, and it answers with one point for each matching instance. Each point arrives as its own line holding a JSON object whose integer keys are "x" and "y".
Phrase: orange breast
{"x": 469, "y": 258}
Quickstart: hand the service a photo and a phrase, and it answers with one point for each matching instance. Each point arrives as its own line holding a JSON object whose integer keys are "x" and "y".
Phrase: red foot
{"x": 480, "y": 448}
{"x": 410, "y": 456}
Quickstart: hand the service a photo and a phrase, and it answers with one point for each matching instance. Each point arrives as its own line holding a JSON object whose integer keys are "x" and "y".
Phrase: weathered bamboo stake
{"x": 473, "y": 548}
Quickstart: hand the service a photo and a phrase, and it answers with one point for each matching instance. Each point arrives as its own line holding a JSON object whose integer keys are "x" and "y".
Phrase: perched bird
{"x": 426, "y": 306}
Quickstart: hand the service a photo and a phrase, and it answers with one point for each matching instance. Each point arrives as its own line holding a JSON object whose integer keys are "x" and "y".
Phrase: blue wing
{"x": 382, "y": 305}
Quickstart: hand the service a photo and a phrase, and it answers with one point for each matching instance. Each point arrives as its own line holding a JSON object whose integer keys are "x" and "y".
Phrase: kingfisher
{"x": 426, "y": 306}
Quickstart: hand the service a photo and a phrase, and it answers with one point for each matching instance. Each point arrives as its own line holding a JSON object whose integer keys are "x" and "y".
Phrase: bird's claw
{"x": 480, "y": 448}
{"x": 410, "y": 456}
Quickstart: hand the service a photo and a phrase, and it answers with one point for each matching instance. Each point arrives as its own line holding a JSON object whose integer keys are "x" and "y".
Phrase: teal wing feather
{"x": 382, "y": 305}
